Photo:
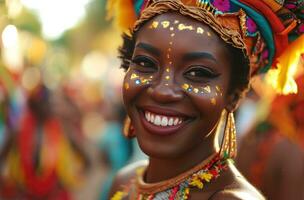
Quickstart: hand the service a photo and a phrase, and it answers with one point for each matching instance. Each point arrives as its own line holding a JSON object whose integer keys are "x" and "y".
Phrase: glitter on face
{"x": 218, "y": 89}
{"x": 165, "y": 24}
{"x": 172, "y": 26}
{"x": 127, "y": 86}
{"x": 213, "y": 101}
{"x": 179, "y": 26}
{"x": 145, "y": 81}
{"x": 207, "y": 89}
{"x": 154, "y": 25}
{"x": 137, "y": 82}
{"x": 200, "y": 30}
{"x": 184, "y": 27}
{"x": 185, "y": 86}
{"x": 134, "y": 76}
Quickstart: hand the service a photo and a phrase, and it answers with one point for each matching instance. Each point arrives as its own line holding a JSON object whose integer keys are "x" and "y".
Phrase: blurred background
{"x": 60, "y": 97}
{"x": 61, "y": 111}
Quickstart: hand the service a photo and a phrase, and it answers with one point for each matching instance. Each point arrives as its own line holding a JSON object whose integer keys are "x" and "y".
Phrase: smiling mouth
{"x": 159, "y": 122}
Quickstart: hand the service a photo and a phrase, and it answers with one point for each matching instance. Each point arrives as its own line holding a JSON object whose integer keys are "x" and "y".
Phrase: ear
{"x": 233, "y": 101}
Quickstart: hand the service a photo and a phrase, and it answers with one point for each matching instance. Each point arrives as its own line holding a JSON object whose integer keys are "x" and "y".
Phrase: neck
{"x": 160, "y": 169}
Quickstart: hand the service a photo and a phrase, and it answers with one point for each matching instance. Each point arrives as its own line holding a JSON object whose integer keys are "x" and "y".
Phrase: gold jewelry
{"x": 228, "y": 146}
{"x": 128, "y": 129}
{"x": 153, "y": 188}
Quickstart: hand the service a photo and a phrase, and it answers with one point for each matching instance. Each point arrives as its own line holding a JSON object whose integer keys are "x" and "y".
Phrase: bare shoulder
{"x": 234, "y": 194}
{"x": 125, "y": 175}
{"x": 238, "y": 189}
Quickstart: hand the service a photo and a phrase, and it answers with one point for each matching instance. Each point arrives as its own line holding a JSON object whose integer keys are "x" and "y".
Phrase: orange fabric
{"x": 281, "y": 41}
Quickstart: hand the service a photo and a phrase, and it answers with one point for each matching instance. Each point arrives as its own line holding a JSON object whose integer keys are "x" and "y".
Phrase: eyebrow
{"x": 148, "y": 48}
{"x": 198, "y": 55}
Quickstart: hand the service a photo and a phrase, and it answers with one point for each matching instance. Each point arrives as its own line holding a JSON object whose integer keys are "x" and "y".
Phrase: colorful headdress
{"x": 269, "y": 31}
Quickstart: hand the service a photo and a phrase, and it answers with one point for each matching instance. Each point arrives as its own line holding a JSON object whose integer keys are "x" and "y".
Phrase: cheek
{"x": 209, "y": 102}
{"x": 205, "y": 96}
{"x": 133, "y": 84}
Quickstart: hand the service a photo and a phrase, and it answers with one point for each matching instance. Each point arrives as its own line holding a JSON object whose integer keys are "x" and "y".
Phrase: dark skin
{"x": 200, "y": 60}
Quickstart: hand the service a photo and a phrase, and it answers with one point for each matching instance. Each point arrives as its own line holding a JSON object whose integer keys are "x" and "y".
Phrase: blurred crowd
{"x": 61, "y": 115}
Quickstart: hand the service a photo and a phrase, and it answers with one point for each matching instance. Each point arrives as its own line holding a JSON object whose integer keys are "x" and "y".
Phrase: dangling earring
{"x": 228, "y": 146}
{"x": 128, "y": 129}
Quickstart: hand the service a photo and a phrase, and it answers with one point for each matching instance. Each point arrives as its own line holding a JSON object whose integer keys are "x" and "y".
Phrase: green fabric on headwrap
{"x": 138, "y": 6}
{"x": 264, "y": 29}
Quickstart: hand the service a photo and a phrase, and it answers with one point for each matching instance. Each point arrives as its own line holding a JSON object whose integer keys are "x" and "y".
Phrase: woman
{"x": 188, "y": 64}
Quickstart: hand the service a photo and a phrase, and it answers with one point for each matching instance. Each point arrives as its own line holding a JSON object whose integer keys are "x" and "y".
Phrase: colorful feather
{"x": 281, "y": 78}
{"x": 123, "y": 13}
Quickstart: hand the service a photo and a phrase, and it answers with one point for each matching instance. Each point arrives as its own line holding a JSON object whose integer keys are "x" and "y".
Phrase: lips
{"x": 162, "y": 121}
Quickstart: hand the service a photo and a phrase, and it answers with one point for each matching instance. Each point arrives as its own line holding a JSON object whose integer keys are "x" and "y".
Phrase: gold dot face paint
{"x": 207, "y": 89}
{"x": 165, "y": 24}
{"x": 218, "y": 90}
{"x": 179, "y": 26}
{"x": 126, "y": 86}
{"x": 137, "y": 80}
{"x": 182, "y": 27}
{"x": 203, "y": 91}
{"x": 199, "y": 30}
{"x": 154, "y": 25}
{"x": 213, "y": 101}
{"x": 174, "y": 27}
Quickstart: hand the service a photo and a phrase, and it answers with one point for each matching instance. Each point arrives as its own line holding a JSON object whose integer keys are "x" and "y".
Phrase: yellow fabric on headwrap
{"x": 123, "y": 13}
{"x": 282, "y": 78}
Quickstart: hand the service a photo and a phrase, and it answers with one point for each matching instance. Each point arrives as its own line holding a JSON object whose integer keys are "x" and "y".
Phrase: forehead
{"x": 185, "y": 32}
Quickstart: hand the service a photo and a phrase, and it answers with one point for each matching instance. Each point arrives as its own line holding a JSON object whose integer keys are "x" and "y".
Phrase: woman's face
{"x": 176, "y": 86}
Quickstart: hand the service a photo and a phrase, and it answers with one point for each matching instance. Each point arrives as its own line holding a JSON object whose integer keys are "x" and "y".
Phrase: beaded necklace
{"x": 177, "y": 188}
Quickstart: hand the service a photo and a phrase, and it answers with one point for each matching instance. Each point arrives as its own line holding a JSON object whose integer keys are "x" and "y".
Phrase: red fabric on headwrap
{"x": 281, "y": 41}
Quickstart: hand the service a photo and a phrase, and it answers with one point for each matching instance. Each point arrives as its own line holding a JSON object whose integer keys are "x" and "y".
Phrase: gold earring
{"x": 128, "y": 129}
{"x": 228, "y": 146}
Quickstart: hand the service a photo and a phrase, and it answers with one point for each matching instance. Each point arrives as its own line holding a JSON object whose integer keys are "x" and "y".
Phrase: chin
{"x": 161, "y": 150}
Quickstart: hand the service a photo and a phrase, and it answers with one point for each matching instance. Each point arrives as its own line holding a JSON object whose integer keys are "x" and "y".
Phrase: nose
{"x": 165, "y": 91}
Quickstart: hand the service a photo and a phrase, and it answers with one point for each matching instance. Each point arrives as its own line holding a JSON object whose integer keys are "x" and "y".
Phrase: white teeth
{"x": 170, "y": 123}
{"x": 160, "y": 120}
{"x": 152, "y": 118}
{"x": 175, "y": 121}
{"x": 164, "y": 121}
{"x": 157, "y": 120}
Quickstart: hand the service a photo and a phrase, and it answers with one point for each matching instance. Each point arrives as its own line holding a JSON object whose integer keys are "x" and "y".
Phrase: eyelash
{"x": 144, "y": 64}
{"x": 204, "y": 75}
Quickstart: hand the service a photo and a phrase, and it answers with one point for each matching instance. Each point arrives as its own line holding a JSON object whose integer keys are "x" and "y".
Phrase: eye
{"x": 144, "y": 64}
{"x": 200, "y": 73}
